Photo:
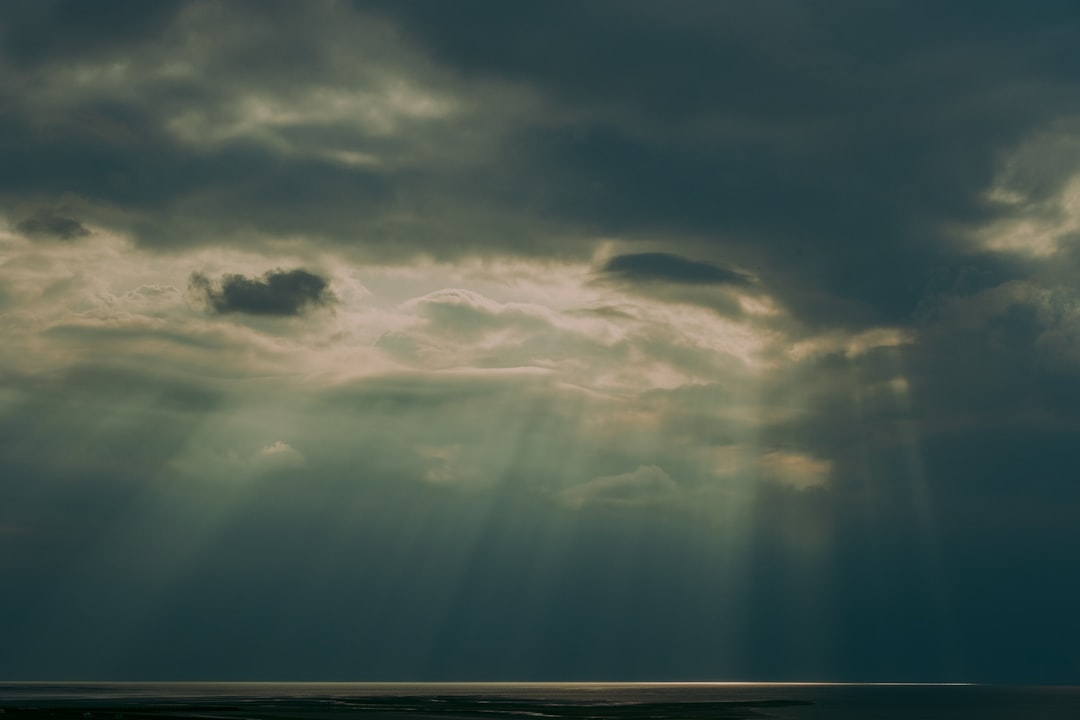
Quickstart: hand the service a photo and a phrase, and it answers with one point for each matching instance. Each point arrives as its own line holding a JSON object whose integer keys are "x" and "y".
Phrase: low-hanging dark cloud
{"x": 838, "y": 150}
{"x": 835, "y": 150}
{"x": 277, "y": 293}
{"x": 50, "y": 223}
{"x": 666, "y": 267}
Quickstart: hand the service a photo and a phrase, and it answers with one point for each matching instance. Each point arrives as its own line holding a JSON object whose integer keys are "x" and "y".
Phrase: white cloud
{"x": 794, "y": 470}
{"x": 1035, "y": 223}
{"x": 442, "y": 462}
{"x": 279, "y": 449}
{"x": 647, "y": 485}
{"x": 850, "y": 344}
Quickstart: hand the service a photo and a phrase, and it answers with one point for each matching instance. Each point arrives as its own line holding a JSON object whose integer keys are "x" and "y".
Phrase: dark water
{"x": 529, "y": 701}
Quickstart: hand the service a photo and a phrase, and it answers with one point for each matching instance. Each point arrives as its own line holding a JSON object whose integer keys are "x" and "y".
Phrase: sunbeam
{"x": 417, "y": 341}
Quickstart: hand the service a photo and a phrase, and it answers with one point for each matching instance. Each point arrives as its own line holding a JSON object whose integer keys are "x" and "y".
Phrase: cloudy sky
{"x": 559, "y": 340}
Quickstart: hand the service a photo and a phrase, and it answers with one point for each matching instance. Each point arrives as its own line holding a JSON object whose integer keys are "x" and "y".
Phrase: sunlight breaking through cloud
{"x": 413, "y": 339}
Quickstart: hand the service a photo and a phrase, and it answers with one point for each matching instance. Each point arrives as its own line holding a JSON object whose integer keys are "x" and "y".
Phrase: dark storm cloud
{"x": 277, "y": 292}
{"x": 65, "y": 30}
{"x": 665, "y": 267}
{"x": 675, "y": 279}
{"x": 47, "y": 222}
{"x": 831, "y": 142}
{"x": 993, "y": 370}
{"x": 116, "y": 137}
{"x": 831, "y": 147}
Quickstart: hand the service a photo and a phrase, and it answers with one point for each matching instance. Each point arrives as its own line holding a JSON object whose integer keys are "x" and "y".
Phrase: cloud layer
{"x": 539, "y": 340}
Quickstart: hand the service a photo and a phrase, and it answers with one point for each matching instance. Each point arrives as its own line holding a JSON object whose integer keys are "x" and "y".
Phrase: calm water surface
{"x": 529, "y": 701}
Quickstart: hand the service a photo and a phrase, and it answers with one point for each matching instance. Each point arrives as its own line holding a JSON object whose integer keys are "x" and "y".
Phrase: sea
{"x": 530, "y": 701}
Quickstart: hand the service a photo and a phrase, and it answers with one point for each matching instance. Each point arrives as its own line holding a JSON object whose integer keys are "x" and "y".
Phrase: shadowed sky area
{"x": 589, "y": 340}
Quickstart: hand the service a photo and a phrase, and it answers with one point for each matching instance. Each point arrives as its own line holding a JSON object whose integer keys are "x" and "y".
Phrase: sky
{"x": 590, "y": 340}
